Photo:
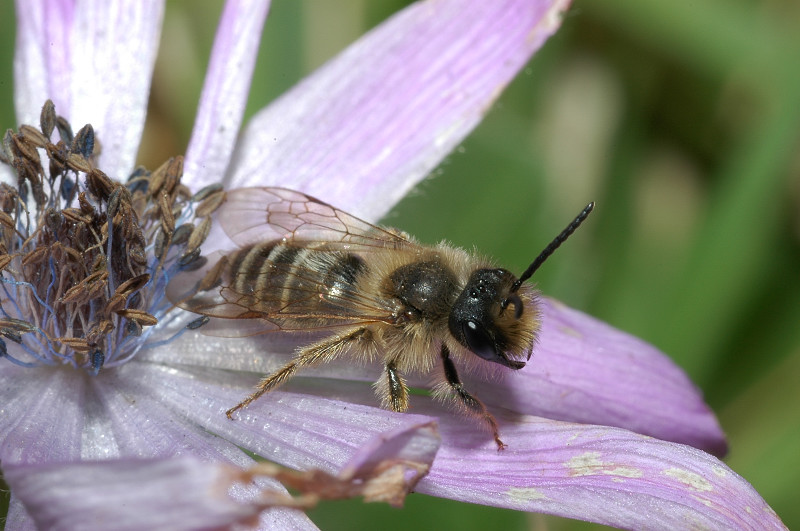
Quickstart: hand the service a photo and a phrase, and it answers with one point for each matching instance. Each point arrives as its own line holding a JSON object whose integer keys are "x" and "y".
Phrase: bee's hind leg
{"x": 473, "y": 405}
{"x": 391, "y": 388}
{"x": 321, "y": 352}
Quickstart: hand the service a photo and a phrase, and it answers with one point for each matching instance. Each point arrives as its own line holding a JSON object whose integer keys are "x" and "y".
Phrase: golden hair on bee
{"x": 305, "y": 266}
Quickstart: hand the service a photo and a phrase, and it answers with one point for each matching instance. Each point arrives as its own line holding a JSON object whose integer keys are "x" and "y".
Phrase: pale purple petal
{"x": 42, "y": 61}
{"x": 18, "y": 518}
{"x": 180, "y": 493}
{"x": 113, "y": 47}
{"x": 363, "y": 129}
{"x": 48, "y": 406}
{"x": 596, "y": 473}
{"x": 292, "y": 429}
{"x": 584, "y": 370}
{"x": 225, "y": 91}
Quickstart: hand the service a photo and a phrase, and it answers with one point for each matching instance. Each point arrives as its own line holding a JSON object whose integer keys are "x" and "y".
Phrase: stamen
{"x": 85, "y": 259}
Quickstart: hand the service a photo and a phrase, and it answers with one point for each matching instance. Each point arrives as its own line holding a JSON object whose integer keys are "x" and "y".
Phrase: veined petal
{"x": 46, "y": 402}
{"x": 363, "y": 129}
{"x": 177, "y": 493}
{"x": 595, "y": 473}
{"x": 42, "y": 67}
{"x": 113, "y": 47}
{"x": 297, "y": 430}
{"x": 224, "y": 96}
{"x": 584, "y": 370}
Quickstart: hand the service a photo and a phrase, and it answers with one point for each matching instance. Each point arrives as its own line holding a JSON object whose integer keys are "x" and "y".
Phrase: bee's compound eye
{"x": 478, "y": 341}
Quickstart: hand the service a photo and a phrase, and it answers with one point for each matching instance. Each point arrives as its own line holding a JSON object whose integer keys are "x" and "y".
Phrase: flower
{"x": 359, "y": 133}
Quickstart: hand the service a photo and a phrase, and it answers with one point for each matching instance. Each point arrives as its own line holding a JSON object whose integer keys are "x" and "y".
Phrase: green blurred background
{"x": 681, "y": 119}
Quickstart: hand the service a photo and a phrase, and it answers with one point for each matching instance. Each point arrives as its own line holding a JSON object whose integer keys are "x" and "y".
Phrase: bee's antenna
{"x": 558, "y": 240}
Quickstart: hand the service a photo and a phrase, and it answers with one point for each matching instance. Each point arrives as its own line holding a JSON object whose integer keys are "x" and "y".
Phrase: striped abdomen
{"x": 297, "y": 283}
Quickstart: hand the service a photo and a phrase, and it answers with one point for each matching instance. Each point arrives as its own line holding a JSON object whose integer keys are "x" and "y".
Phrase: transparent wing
{"x": 251, "y": 215}
{"x": 294, "y": 295}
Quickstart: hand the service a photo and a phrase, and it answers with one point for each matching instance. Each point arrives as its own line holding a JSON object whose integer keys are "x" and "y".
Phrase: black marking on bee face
{"x": 473, "y": 318}
{"x": 426, "y": 288}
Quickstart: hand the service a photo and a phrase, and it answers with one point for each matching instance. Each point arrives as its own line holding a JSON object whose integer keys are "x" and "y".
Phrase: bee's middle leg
{"x": 321, "y": 352}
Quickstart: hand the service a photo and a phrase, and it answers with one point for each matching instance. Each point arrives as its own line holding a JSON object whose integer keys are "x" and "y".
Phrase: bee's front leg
{"x": 473, "y": 405}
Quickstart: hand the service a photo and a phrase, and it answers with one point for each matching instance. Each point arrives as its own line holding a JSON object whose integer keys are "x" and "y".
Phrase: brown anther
{"x": 167, "y": 219}
{"x": 47, "y": 118}
{"x": 38, "y": 255}
{"x": 86, "y": 206}
{"x": 77, "y": 344}
{"x": 25, "y": 148}
{"x": 77, "y": 162}
{"x": 87, "y": 289}
{"x": 100, "y": 185}
{"x": 206, "y": 191}
{"x": 98, "y": 331}
{"x": 160, "y": 245}
{"x": 199, "y": 235}
{"x": 76, "y": 216}
{"x": 7, "y": 221}
{"x": 182, "y": 233}
{"x": 173, "y": 174}
{"x": 115, "y": 303}
{"x": 131, "y": 285}
{"x": 157, "y": 179}
{"x": 5, "y": 259}
{"x": 210, "y": 204}
{"x": 33, "y": 136}
{"x": 64, "y": 130}
{"x": 141, "y": 317}
{"x": 8, "y": 142}
{"x": 16, "y": 325}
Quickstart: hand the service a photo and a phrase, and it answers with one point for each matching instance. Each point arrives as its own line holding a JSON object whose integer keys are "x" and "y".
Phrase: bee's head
{"x": 489, "y": 316}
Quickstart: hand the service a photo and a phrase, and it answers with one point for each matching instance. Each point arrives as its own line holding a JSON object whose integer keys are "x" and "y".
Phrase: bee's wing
{"x": 256, "y": 215}
{"x": 251, "y": 215}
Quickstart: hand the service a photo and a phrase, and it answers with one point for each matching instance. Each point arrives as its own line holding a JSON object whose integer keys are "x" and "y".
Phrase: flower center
{"x": 85, "y": 259}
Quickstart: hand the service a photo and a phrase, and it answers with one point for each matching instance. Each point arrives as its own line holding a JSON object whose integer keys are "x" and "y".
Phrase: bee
{"x": 304, "y": 266}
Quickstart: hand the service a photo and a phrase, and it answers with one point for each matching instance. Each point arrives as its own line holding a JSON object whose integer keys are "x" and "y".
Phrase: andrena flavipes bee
{"x": 305, "y": 266}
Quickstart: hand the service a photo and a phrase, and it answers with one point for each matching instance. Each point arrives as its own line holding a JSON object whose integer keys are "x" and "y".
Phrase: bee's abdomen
{"x": 288, "y": 279}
